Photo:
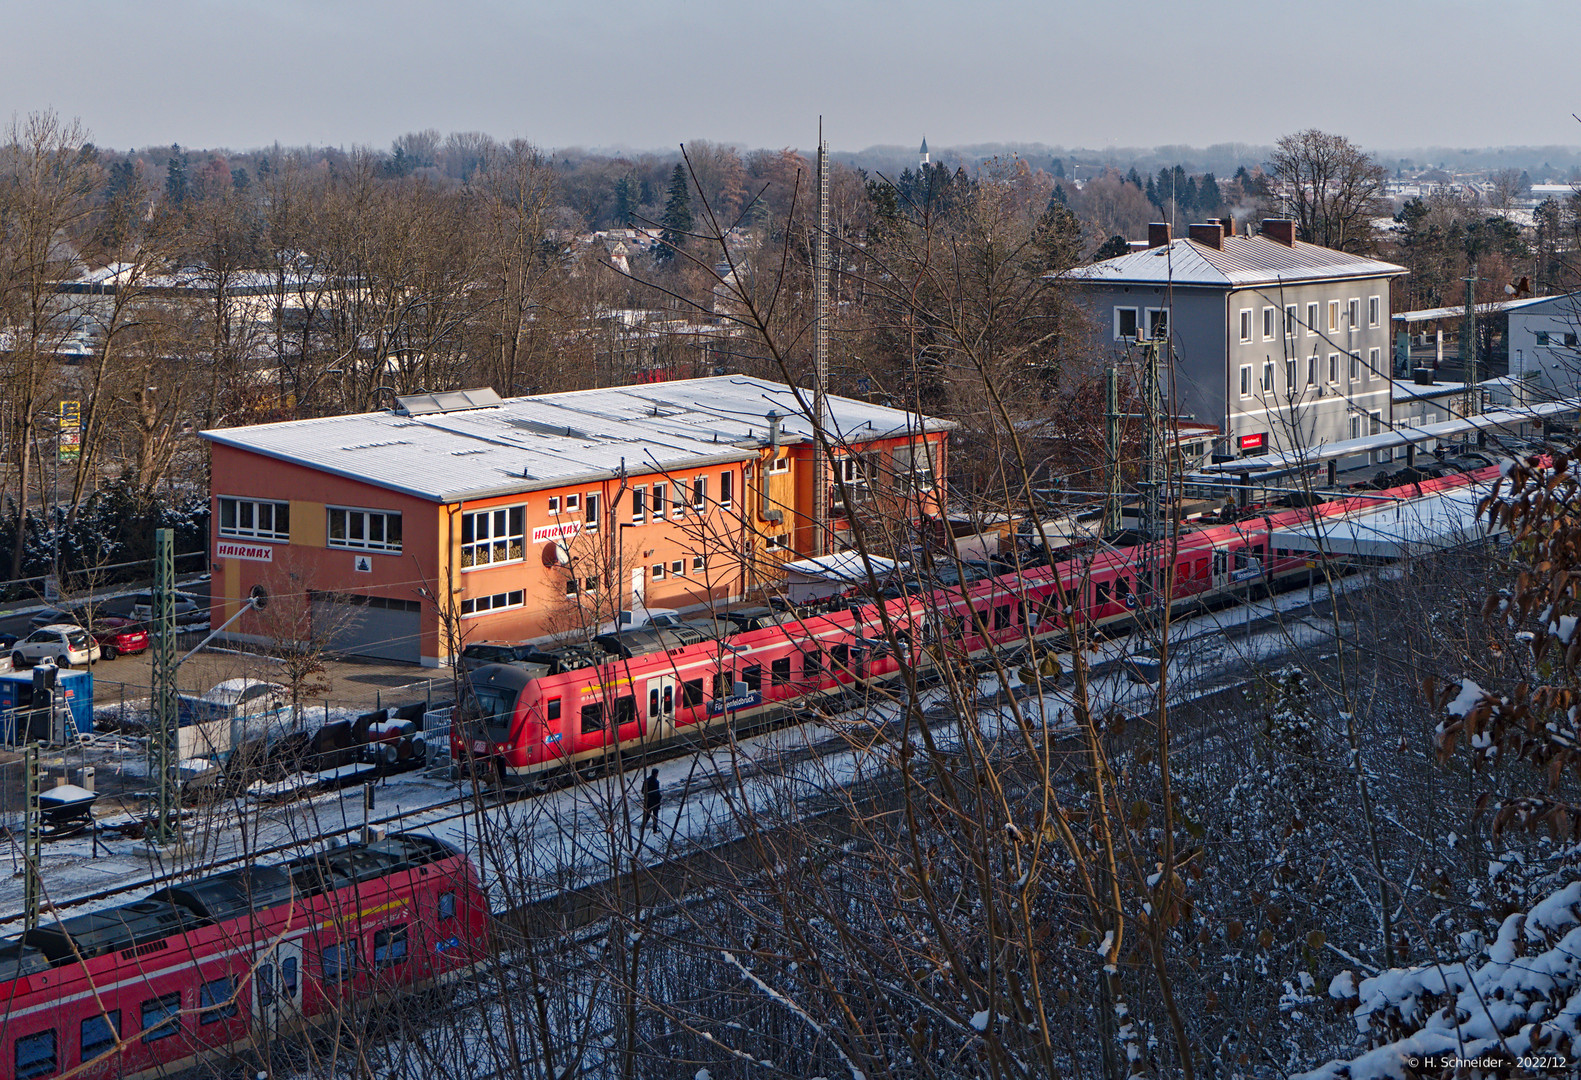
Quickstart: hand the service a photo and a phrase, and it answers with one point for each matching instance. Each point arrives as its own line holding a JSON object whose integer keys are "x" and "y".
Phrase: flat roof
{"x": 1459, "y": 311}
{"x": 551, "y": 440}
{"x": 1395, "y": 529}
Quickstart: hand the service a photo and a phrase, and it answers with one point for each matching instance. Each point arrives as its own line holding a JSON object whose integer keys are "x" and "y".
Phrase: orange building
{"x": 460, "y": 517}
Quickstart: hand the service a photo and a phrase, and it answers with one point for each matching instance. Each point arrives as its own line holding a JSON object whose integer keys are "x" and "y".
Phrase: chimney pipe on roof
{"x": 1282, "y": 230}
{"x": 1210, "y": 234}
{"x": 1158, "y": 234}
{"x": 1229, "y": 225}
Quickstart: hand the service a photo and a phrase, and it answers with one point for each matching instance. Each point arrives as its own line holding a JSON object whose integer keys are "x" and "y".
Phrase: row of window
{"x": 39, "y": 1054}
{"x": 347, "y": 527}
{"x": 1293, "y": 324}
{"x": 1354, "y": 372}
{"x": 1129, "y": 321}
{"x": 658, "y": 572}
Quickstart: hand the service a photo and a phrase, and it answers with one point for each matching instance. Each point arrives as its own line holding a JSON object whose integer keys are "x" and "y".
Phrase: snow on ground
{"x": 569, "y": 836}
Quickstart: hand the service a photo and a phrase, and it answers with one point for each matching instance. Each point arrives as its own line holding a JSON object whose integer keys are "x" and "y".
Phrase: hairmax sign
{"x": 228, "y": 549}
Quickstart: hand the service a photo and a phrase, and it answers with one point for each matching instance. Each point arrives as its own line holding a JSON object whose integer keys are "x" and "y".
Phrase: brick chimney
{"x": 1158, "y": 234}
{"x": 1229, "y": 225}
{"x": 1210, "y": 234}
{"x": 1282, "y": 230}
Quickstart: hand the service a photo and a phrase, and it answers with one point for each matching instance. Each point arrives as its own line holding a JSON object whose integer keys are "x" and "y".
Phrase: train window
{"x": 812, "y": 664}
{"x": 389, "y": 946}
{"x": 1122, "y": 588}
{"x": 1221, "y": 563}
{"x": 592, "y": 718}
{"x": 1201, "y": 570}
{"x": 753, "y": 677}
{"x": 265, "y": 978}
{"x": 1101, "y": 594}
{"x": 447, "y": 905}
{"x": 217, "y": 999}
{"x": 554, "y": 708}
{"x": 161, "y": 1017}
{"x": 653, "y": 703}
{"x": 625, "y": 710}
{"x": 780, "y": 671}
{"x": 692, "y": 693}
{"x": 288, "y": 976}
{"x": 339, "y": 961}
{"x": 1002, "y": 620}
{"x": 1243, "y": 558}
{"x": 99, "y": 1034}
{"x": 724, "y": 683}
{"x": 35, "y": 1055}
{"x": 840, "y": 655}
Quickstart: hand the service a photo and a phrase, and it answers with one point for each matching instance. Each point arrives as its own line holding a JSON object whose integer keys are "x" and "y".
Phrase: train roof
{"x": 234, "y": 893}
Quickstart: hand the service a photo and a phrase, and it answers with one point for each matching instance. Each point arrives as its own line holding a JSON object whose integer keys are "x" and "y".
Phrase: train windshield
{"x": 491, "y": 708}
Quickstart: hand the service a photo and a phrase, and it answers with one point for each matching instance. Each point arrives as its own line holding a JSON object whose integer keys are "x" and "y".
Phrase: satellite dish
{"x": 556, "y": 554}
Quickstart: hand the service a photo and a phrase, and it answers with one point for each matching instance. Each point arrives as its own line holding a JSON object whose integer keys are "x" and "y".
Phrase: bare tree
{"x": 1330, "y": 186}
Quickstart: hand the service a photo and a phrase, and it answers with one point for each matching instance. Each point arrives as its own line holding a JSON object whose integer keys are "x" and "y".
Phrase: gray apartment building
{"x": 1281, "y": 343}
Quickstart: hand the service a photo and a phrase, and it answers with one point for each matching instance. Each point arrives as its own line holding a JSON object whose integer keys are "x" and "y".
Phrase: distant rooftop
{"x": 1244, "y": 261}
{"x": 443, "y": 451}
{"x": 1494, "y": 308}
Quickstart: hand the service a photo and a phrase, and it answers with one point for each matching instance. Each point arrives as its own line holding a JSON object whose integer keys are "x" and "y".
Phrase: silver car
{"x": 61, "y": 643}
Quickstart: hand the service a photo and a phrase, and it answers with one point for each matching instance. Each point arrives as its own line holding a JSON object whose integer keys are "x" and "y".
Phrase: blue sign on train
{"x": 734, "y": 702}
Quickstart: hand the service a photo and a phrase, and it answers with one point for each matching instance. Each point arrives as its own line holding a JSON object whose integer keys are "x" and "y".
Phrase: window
{"x": 1157, "y": 323}
{"x": 1355, "y": 366}
{"x": 681, "y": 499}
{"x": 657, "y": 571}
{"x": 1291, "y": 321}
{"x": 1333, "y": 367}
{"x": 161, "y": 1017}
{"x": 727, "y": 485}
{"x": 780, "y": 464}
{"x": 1542, "y": 337}
{"x": 1002, "y": 616}
{"x": 639, "y": 504}
{"x": 260, "y": 520}
{"x": 592, "y": 511}
{"x": 658, "y": 502}
{"x": 447, "y": 904}
{"x": 552, "y": 712}
{"x": 1374, "y": 310}
{"x": 698, "y": 563}
{"x": 571, "y": 586}
{"x": 1290, "y": 376}
{"x": 812, "y": 664}
{"x": 752, "y": 675}
{"x": 288, "y": 977}
{"x": 1312, "y": 370}
{"x": 1374, "y": 358}
{"x": 590, "y": 584}
{"x": 1268, "y": 377}
{"x": 1355, "y": 427}
{"x": 1125, "y": 323}
{"x": 777, "y": 543}
{"x": 1268, "y": 324}
{"x": 479, "y": 605}
{"x": 678, "y": 568}
{"x": 1353, "y": 312}
{"x": 1333, "y": 316}
{"x": 593, "y": 718}
{"x": 1246, "y": 380}
{"x": 573, "y": 503}
{"x": 554, "y": 506}
{"x": 1383, "y": 455}
{"x": 489, "y": 537}
{"x": 339, "y": 961}
{"x": 691, "y": 693}
{"x": 99, "y": 1034}
{"x": 367, "y": 530}
{"x": 724, "y": 683}
{"x": 1312, "y": 326}
{"x": 1246, "y": 324}
{"x": 389, "y": 946}
{"x": 700, "y": 493}
{"x": 35, "y": 1055}
{"x": 217, "y": 999}
{"x": 780, "y": 671}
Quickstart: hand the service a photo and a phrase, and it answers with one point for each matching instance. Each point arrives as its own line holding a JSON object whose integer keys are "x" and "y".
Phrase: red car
{"x": 116, "y": 635}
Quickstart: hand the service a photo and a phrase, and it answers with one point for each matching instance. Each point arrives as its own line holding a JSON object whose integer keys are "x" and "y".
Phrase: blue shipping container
{"x": 19, "y": 724}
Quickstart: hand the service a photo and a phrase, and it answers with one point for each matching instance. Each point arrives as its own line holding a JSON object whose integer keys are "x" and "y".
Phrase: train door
{"x": 1221, "y": 568}
{"x": 277, "y": 987}
{"x": 661, "y": 706}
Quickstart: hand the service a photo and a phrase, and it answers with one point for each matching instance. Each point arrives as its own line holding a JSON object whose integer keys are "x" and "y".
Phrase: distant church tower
{"x": 924, "y": 152}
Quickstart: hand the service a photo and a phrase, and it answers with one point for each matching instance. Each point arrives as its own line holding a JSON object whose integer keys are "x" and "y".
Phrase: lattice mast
{"x": 820, "y": 352}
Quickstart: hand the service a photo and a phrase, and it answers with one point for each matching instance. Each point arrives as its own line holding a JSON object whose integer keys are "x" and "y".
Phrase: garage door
{"x": 371, "y": 626}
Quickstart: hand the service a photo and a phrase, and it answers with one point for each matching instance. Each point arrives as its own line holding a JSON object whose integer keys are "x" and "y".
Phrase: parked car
{"x": 481, "y": 653}
{"x": 52, "y": 616}
{"x": 189, "y": 609}
{"x": 117, "y": 636}
{"x": 64, "y": 644}
{"x": 229, "y": 715}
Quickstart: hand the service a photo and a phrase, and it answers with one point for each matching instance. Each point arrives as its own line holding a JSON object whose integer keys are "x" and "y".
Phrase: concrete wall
{"x": 1555, "y": 363}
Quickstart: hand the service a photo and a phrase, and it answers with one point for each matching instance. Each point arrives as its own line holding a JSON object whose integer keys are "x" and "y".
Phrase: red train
{"x": 228, "y": 962}
{"x": 526, "y": 722}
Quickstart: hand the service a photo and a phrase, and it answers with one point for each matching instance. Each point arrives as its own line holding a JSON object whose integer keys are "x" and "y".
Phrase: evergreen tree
{"x": 677, "y": 219}
{"x": 1134, "y": 177}
{"x": 1059, "y": 195}
{"x": 1111, "y": 248}
{"x": 240, "y": 180}
{"x": 122, "y": 176}
{"x": 1188, "y": 198}
{"x": 625, "y": 204}
{"x": 1058, "y": 168}
{"x": 176, "y": 176}
{"x": 1209, "y": 198}
{"x": 1152, "y": 192}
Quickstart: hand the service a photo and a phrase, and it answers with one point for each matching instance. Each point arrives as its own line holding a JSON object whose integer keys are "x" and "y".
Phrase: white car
{"x": 235, "y": 699}
{"x": 61, "y": 643}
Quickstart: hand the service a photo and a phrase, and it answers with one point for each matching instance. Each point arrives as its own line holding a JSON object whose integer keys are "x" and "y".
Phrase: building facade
{"x": 1280, "y": 343}
{"x": 406, "y": 533}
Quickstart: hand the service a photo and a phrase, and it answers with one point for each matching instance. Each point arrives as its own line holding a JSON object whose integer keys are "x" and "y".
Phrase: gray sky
{"x": 653, "y": 73}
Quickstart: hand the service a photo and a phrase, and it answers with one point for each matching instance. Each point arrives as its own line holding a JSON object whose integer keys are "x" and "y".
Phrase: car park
{"x": 63, "y": 644}
{"x": 189, "y": 609}
{"x": 52, "y": 616}
{"x": 118, "y": 636}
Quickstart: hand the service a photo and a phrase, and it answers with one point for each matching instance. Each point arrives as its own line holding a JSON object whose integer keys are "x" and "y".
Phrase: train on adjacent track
{"x": 523, "y": 722}
{"x": 228, "y": 963}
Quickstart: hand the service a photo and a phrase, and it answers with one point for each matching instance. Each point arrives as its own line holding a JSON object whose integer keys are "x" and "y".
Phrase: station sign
{"x": 1254, "y": 442}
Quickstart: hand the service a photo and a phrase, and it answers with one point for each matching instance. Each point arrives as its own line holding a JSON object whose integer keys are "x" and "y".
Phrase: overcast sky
{"x": 649, "y": 74}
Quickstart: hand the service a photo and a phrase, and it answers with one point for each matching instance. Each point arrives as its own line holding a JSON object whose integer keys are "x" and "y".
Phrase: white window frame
{"x": 273, "y": 534}
{"x": 1292, "y": 320}
{"x": 1291, "y": 374}
{"x": 677, "y": 567}
{"x": 727, "y": 489}
{"x": 682, "y": 500}
{"x": 1268, "y": 323}
{"x": 1333, "y": 316}
{"x": 656, "y": 507}
{"x": 699, "y": 563}
{"x": 554, "y": 506}
{"x": 1374, "y": 359}
{"x": 1333, "y": 369}
{"x": 472, "y": 607}
{"x": 779, "y": 464}
{"x": 1312, "y": 365}
{"x": 656, "y": 571}
{"x": 1312, "y": 318}
{"x": 594, "y": 507}
{"x": 700, "y": 494}
{"x": 1355, "y": 426}
{"x": 639, "y": 504}
{"x": 367, "y": 514}
{"x": 573, "y": 504}
{"x": 1268, "y": 376}
{"x": 1355, "y": 367}
{"x": 515, "y": 535}
{"x": 1154, "y": 316}
{"x": 1246, "y": 325}
{"x": 1353, "y": 312}
{"x": 1374, "y": 310}
{"x": 1246, "y": 380}
{"x": 1136, "y": 318}
{"x": 1385, "y": 454}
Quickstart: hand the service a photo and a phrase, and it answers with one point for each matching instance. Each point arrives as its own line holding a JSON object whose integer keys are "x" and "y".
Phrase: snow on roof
{"x": 1394, "y": 529}
{"x": 230, "y": 691}
{"x": 1408, "y": 391}
{"x": 1459, "y": 311}
{"x": 842, "y": 566}
{"x": 1244, "y": 261}
{"x": 529, "y": 443}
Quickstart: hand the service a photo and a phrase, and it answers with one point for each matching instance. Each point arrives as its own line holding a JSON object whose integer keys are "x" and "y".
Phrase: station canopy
{"x": 1393, "y": 529}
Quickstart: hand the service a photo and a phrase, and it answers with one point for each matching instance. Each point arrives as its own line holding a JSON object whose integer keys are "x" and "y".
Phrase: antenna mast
{"x": 820, "y": 352}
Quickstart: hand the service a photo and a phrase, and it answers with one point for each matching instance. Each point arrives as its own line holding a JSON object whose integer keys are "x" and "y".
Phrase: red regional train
{"x": 525, "y": 723}
{"x": 215, "y": 966}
